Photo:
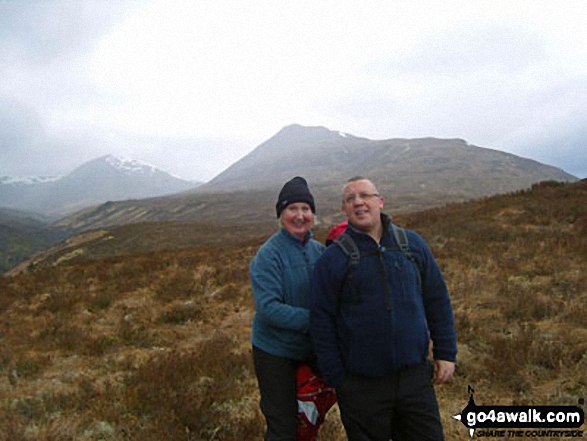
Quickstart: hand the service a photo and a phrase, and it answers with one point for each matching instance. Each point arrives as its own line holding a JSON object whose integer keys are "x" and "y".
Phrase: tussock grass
{"x": 153, "y": 346}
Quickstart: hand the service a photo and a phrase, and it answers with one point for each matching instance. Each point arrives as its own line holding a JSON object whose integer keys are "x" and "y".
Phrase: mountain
{"x": 326, "y": 158}
{"x": 103, "y": 179}
{"x": 413, "y": 174}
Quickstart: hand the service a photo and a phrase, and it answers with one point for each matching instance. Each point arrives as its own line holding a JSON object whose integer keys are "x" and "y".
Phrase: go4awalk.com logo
{"x": 522, "y": 421}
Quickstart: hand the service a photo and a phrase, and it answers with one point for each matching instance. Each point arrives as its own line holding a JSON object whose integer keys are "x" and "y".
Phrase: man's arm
{"x": 439, "y": 313}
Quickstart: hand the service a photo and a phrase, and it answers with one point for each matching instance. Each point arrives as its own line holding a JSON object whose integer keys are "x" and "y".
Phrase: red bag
{"x": 336, "y": 231}
{"x": 315, "y": 398}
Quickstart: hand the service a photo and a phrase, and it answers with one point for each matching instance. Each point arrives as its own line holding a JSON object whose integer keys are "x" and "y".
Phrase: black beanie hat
{"x": 295, "y": 190}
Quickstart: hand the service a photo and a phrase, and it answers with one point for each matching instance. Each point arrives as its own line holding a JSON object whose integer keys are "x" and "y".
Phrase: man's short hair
{"x": 358, "y": 178}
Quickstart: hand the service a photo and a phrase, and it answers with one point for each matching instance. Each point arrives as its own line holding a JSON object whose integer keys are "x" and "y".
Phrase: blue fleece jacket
{"x": 385, "y": 323}
{"x": 280, "y": 276}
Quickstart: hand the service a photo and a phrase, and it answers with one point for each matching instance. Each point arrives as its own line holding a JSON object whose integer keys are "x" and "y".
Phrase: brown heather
{"x": 155, "y": 345}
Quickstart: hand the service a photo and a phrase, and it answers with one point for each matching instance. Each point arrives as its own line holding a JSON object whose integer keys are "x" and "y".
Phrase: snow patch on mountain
{"x": 131, "y": 165}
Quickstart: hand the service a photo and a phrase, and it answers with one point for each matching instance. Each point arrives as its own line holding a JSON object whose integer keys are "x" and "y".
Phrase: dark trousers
{"x": 400, "y": 407}
{"x": 277, "y": 384}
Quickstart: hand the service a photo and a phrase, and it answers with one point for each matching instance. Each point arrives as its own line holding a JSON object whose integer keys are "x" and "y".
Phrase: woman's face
{"x": 296, "y": 218}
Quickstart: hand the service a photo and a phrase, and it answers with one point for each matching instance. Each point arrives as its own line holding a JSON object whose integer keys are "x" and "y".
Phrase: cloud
{"x": 21, "y": 135}
{"x": 21, "y": 126}
{"x": 39, "y": 32}
{"x": 551, "y": 125}
{"x": 27, "y": 148}
{"x": 198, "y": 159}
{"x": 214, "y": 79}
{"x": 194, "y": 158}
{"x": 566, "y": 152}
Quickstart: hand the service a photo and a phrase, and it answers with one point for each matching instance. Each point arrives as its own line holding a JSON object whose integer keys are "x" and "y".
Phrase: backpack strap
{"x": 351, "y": 250}
{"x": 401, "y": 239}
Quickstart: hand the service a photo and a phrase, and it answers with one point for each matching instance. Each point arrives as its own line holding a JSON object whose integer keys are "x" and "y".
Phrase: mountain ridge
{"x": 286, "y": 153}
{"x": 412, "y": 173}
{"x": 94, "y": 182}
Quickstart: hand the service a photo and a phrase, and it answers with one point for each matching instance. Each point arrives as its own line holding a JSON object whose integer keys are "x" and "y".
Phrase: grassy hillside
{"x": 140, "y": 238}
{"x": 154, "y": 345}
{"x": 516, "y": 268}
{"x": 22, "y": 234}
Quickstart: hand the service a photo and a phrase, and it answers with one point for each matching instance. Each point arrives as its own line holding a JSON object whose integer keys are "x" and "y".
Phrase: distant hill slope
{"x": 554, "y": 204}
{"x": 412, "y": 173}
{"x": 22, "y": 234}
{"x": 107, "y": 178}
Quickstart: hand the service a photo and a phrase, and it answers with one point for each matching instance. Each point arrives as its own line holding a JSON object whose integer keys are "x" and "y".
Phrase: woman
{"x": 280, "y": 276}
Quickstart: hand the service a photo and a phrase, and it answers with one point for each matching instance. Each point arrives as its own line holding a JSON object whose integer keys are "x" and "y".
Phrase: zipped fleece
{"x": 280, "y": 276}
{"x": 385, "y": 323}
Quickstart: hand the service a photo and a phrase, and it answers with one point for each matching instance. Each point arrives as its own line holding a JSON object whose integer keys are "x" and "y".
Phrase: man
{"x": 371, "y": 330}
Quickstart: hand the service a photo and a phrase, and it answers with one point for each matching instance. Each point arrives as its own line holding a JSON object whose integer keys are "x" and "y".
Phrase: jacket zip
{"x": 383, "y": 275}
{"x": 308, "y": 265}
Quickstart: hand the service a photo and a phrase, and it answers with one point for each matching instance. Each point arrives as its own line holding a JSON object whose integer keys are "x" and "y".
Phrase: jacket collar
{"x": 385, "y": 222}
{"x": 309, "y": 235}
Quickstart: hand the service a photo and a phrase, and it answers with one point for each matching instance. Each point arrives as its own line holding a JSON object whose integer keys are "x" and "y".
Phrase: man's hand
{"x": 443, "y": 371}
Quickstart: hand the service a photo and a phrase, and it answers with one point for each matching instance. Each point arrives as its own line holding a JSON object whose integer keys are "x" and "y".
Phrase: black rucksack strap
{"x": 350, "y": 249}
{"x": 401, "y": 239}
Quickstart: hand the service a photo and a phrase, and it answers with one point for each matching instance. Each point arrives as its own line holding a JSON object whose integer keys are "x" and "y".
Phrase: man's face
{"x": 362, "y": 204}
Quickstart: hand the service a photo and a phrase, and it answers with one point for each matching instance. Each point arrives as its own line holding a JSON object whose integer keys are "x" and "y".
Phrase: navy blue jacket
{"x": 374, "y": 329}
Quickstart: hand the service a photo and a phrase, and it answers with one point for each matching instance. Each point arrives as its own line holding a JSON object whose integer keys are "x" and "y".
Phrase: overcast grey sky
{"x": 192, "y": 86}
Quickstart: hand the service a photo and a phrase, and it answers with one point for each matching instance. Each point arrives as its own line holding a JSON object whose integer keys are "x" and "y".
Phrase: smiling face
{"x": 296, "y": 219}
{"x": 362, "y": 205}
